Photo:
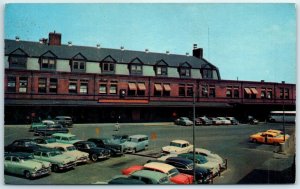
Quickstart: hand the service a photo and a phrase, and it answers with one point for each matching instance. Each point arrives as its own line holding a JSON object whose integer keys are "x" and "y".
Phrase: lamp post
{"x": 194, "y": 116}
{"x": 283, "y": 117}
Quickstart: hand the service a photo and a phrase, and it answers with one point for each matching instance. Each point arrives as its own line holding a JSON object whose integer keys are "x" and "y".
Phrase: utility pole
{"x": 194, "y": 117}
{"x": 283, "y": 117}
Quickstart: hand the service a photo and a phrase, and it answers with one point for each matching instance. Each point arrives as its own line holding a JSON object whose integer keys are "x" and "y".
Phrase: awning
{"x": 167, "y": 87}
{"x": 158, "y": 87}
{"x": 141, "y": 86}
{"x": 132, "y": 86}
{"x": 248, "y": 91}
{"x": 254, "y": 91}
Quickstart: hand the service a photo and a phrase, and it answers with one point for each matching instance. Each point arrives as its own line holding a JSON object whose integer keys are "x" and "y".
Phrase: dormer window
{"x": 78, "y": 63}
{"x": 185, "y": 70}
{"x": 48, "y": 61}
{"x": 136, "y": 67}
{"x": 108, "y": 65}
{"x": 17, "y": 59}
{"x": 207, "y": 73}
{"x": 161, "y": 68}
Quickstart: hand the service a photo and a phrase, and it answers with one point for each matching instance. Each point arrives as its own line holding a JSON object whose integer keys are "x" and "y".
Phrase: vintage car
{"x": 45, "y": 141}
{"x": 50, "y": 129}
{"x": 151, "y": 177}
{"x": 275, "y": 131}
{"x": 95, "y": 153}
{"x": 66, "y": 121}
{"x": 125, "y": 180}
{"x": 201, "y": 161}
{"x": 268, "y": 138}
{"x": 115, "y": 149}
{"x": 171, "y": 171}
{"x": 119, "y": 139}
{"x": 203, "y": 121}
{"x": 22, "y": 145}
{"x": 136, "y": 143}
{"x": 70, "y": 150}
{"x": 211, "y": 156}
{"x": 65, "y": 138}
{"x": 24, "y": 164}
{"x": 216, "y": 121}
{"x": 58, "y": 160}
{"x": 42, "y": 124}
{"x": 224, "y": 121}
{"x": 184, "y": 165}
{"x": 185, "y": 121}
{"x": 233, "y": 120}
{"x": 177, "y": 147}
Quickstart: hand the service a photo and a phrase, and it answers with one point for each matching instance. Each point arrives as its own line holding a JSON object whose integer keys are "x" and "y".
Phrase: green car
{"x": 65, "y": 138}
{"x": 58, "y": 160}
{"x": 25, "y": 164}
{"x": 151, "y": 177}
{"x": 34, "y": 126}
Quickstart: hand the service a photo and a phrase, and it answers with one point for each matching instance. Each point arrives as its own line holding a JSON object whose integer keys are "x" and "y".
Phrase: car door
{"x": 8, "y": 164}
{"x": 15, "y": 165}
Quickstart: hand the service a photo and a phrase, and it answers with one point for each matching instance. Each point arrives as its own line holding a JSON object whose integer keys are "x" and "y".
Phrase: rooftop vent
{"x": 195, "y": 46}
{"x": 262, "y": 81}
{"x": 43, "y": 40}
{"x": 69, "y": 43}
{"x": 146, "y": 50}
{"x": 283, "y": 82}
{"x": 98, "y": 45}
{"x": 122, "y": 48}
{"x": 187, "y": 54}
{"x": 167, "y": 52}
{"x": 17, "y": 38}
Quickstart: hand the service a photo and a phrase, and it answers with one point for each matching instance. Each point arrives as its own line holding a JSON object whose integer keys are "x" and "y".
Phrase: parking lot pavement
{"x": 230, "y": 142}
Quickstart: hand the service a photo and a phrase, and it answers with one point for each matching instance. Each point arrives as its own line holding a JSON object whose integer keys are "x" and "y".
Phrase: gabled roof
{"x": 94, "y": 54}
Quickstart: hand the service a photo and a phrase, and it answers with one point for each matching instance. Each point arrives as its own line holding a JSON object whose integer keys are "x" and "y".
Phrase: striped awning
{"x": 158, "y": 87}
{"x": 141, "y": 86}
{"x": 248, "y": 91}
{"x": 132, "y": 86}
{"x": 254, "y": 91}
{"x": 167, "y": 87}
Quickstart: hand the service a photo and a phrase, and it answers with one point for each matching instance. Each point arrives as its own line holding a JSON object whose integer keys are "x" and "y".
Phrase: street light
{"x": 194, "y": 117}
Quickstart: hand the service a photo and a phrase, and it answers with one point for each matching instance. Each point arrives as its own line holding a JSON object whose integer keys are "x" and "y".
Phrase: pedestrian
{"x": 117, "y": 126}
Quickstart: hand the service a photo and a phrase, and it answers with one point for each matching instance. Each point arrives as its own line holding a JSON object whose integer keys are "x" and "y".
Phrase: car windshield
{"x": 26, "y": 157}
{"x": 201, "y": 160}
{"x": 173, "y": 172}
{"x": 72, "y": 138}
{"x": 54, "y": 153}
{"x": 51, "y": 140}
{"x": 175, "y": 144}
{"x": 30, "y": 143}
{"x": 91, "y": 145}
{"x": 71, "y": 148}
{"x": 132, "y": 140}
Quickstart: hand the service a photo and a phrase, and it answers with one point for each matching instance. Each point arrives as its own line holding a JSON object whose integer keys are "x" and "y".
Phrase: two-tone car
{"x": 203, "y": 121}
{"x": 58, "y": 160}
{"x": 151, "y": 177}
{"x": 25, "y": 165}
{"x": 211, "y": 156}
{"x": 42, "y": 124}
{"x": 177, "y": 147}
{"x": 50, "y": 129}
{"x": 184, "y": 121}
{"x": 66, "y": 121}
{"x": 65, "y": 138}
{"x": 268, "y": 138}
{"x": 136, "y": 143}
{"x": 95, "y": 153}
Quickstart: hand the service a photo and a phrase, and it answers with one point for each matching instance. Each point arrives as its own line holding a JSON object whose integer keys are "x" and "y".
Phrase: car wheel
{"x": 27, "y": 174}
{"x": 94, "y": 157}
{"x": 55, "y": 168}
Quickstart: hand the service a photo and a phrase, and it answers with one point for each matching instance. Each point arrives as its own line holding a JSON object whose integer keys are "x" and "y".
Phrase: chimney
{"x": 54, "y": 38}
{"x": 197, "y": 52}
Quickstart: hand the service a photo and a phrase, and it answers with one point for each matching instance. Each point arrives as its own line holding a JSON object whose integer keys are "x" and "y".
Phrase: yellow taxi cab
{"x": 268, "y": 138}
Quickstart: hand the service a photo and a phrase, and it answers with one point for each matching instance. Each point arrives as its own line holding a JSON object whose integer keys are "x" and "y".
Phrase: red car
{"x": 172, "y": 172}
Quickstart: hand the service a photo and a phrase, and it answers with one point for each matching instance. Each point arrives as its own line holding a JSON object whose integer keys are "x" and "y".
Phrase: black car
{"x": 65, "y": 121}
{"x": 22, "y": 145}
{"x": 50, "y": 129}
{"x": 95, "y": 153}
{"x": 186, "y": 166}
{"x": 115, "y": 149}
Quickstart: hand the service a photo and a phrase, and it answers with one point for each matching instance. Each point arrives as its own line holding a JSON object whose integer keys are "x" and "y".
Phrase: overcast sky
{"x": 246, "y": 41}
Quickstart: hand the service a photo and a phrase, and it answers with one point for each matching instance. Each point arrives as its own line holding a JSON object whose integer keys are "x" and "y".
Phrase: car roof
{"x": 180, "y": 141}
{"x": 149, "y": 174}
{"x": 63, "y": 134}
{"x": 17, "y": 154}
{"x": 84, "y": 142}
{"x": 190, "y": 155}
{"x": 44, "y": 149}
{"x": 270, "y": 133}
{"x": 24, "y": 140}
{"x": 62, "y": 145}
{"x": 125, "y": 180}
{"x": 137, "y": 136}
{"x": 159, "y": 166}
{"x": 180, "y": 159}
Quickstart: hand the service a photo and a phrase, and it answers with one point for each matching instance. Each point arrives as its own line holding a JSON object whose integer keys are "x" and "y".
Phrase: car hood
{"x": 182, "y": 179}
{"x": 44, "y": 163}
{"x": 76, "y": 153}
{"x": 132, "y": 169}
{"x": 63, "y": 158}
{"x": 35, "y": 164}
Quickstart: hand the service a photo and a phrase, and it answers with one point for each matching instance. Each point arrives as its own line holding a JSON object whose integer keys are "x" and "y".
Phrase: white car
{"x": 177, "y": 147}
{"x": 211, "y": 156}
{"x": 224, "y": 121}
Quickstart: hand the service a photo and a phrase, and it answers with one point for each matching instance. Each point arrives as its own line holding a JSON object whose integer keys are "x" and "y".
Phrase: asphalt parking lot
{"x": 248, "y": 163}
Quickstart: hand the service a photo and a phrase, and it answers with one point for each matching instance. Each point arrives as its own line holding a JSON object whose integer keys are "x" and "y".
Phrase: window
{"x": 42, "y": 88}
{"x": 83, "y": 87}
{"x": 103, "y": 88}
{"x": 167, "y": 89}
{"x": 281, "y": 95}
{"x": 157, "y": 89}
{"x": 181, "y": 90}
{"x": 269, "y": 93}
{"x": 141, "y": 88}
{"x": 135, "y": 69}
{"x": 108, "y": 67}
{"x": 185, "y": 72}
{"x": 161, "y": 70}
{"x": 53, "y": 85}
{"x": 113, "y": 88}
{"x": 229, "y": 92}
{"x": 78, "y": 65}
{"x": 72, "y": 86}
{"x": 11, "y": 84}
{"x": 287, "y": 94}
{"x": 17, "y": 61}
{"x": 212, "y": 91}
{"x": 23, "y": 84}
{"x": 263, "y": 94}
{"x": 189, "y": 91}
{"x": 132, "y": 89}
{"x": 250, "y": 93}
{"x": 236, "y": 92}
{"x": 48, "y": 63}
{"x": 204, "y": 91}
{"x": 207, "y": 74}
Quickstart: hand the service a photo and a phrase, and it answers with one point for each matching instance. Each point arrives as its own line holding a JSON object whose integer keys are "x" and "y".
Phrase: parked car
{"x": 24, "y": 164}
{"x": 58, "y": 160}
{"x": 119, "y": 139}
{"x": 136, "y": 143}
{"x": 177, "y": 147}
{"x": 45, "y": 141}
{"x": 216, "y": 121}
{"x": 268, "y": 138}
{"x": 66, "y": 121}
{"x": 233, "y": 120}
{"x": 185, "y": 121}
{"x": 203, "y": 121}
{"x": 125, "y": 181}
{"x": 42, "y": 124}
{"x": 50, "y": 129}
{"x": 252, "y": 120}
{"x": 184, "y": 165}
{"x": 95, "y": 153}
{"x": 65, "y": 138}
{"x": 22, "y": 145}
{"x": 151, "y": 177}
{"x": 224, "y": 121}
{"x": 211, "y": 156}
{"x": 275, "y": 131}
{"x": 70, "y": 150}
{"x": 201, "y": 161}
{"x": 115, "y": 149}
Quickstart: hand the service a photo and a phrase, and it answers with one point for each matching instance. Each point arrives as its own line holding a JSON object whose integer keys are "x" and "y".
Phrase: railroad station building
{"x": 46, "y": 78}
